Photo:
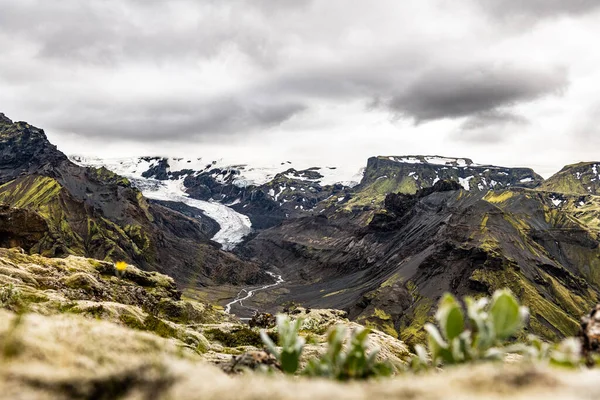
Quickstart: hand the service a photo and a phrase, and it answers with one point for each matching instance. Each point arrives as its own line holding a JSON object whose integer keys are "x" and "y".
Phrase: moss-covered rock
{"x": 69, "y": 356}
{"x": 140, "y": 300}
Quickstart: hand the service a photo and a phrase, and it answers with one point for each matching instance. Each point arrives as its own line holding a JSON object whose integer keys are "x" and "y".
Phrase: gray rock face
{"x": 24, "y": 149}
{"x": 410, "y": 173}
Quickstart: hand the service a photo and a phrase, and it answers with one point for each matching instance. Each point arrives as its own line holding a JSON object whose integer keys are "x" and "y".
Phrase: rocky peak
{"x": 25, "y": 149}
{"x": 4, "y": 120}
{"x": 159, "y": 168}
{"x": 581, "y": 178}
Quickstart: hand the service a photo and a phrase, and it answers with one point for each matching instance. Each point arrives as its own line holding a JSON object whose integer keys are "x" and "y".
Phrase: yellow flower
{"x": 121, "y": 266}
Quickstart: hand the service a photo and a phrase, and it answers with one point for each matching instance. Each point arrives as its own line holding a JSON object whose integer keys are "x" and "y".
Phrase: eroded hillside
{"x": 388, "y": 264}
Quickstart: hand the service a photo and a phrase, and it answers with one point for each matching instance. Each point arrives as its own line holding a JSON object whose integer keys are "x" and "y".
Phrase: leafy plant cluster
{"x": 355, "y": 362}
{"x": 484, "y": 334}
{"x": 339, "y": 362}
{"x": 484, "y": 330}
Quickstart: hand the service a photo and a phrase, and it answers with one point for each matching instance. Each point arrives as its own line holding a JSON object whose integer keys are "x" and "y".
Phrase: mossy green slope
{"x": 581, "y": 178}
{"x": 74, "y": 228}
{"x": 145, "y": 301}
{"x": 411, "y": 173}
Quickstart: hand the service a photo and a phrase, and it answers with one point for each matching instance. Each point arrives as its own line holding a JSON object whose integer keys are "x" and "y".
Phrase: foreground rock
{"x": 69, "y": 356}
{"x": 151, "y": 302}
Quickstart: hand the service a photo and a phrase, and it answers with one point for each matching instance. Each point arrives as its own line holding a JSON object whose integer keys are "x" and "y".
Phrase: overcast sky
{"x": 508, "y": 82}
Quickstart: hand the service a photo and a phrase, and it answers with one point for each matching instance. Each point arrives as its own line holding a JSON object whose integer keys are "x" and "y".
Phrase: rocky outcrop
{"x": 20, "y": 228}
{"x": 425, "y": 171}
{"x": 408, "y": 174}
{"x": 590, "y": 335}
{"x": 582, "y": 178}
{"x": 24, "y": 150}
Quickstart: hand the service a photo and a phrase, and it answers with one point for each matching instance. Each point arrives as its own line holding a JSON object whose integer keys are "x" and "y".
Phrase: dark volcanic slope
{"x": 93, "y": 212}
{"x": 391, "y": 271}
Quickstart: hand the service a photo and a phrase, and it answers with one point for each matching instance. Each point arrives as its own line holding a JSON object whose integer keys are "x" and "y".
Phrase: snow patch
{"x": 241, "y": 175}
{"x": 464, "y": 182}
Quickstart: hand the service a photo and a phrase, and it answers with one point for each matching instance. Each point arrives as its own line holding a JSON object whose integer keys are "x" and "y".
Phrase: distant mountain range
{"x": 383, "y": 245}
{"x": 268, "y": 195}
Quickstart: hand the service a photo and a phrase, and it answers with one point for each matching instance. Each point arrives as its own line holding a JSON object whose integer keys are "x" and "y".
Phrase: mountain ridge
{"x": 581, "y": 178}
{"x": 270, "y": 195}
{"x": 95, "y": 212}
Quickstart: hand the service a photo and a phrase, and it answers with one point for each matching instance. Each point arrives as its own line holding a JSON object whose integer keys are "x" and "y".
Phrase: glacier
{"x": 233, "y": 225}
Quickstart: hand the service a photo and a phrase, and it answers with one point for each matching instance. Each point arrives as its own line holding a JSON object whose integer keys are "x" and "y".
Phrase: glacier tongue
{"x": 234, "y": 226}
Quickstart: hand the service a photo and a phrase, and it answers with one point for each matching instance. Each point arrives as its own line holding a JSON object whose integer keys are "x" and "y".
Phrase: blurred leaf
{"x": 506, "y": 314}
{"x": 450, "y": 317}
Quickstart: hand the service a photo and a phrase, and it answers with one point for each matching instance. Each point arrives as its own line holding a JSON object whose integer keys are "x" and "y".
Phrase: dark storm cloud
{"x": 493, "y": 118}
{"x": 175, "y": 120}
{"x": 472, "y": 90}
{"x": 490, "y": 127}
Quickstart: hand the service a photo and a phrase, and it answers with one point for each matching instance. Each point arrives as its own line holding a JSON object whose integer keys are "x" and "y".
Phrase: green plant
{"x": 291, "y": 344}
{"x": 354, "y": 362}
{"x": 564, "y": 354}
{"x": 339, "y": 362}
{"x": 10, "y": 296}
{"x": 490, "y": 324}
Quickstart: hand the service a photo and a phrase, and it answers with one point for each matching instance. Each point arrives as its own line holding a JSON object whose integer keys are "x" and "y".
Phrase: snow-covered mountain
{"x": 232, "y": 195}
{"x": 240, "y": 197}
{"x": 241, "y": 175}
